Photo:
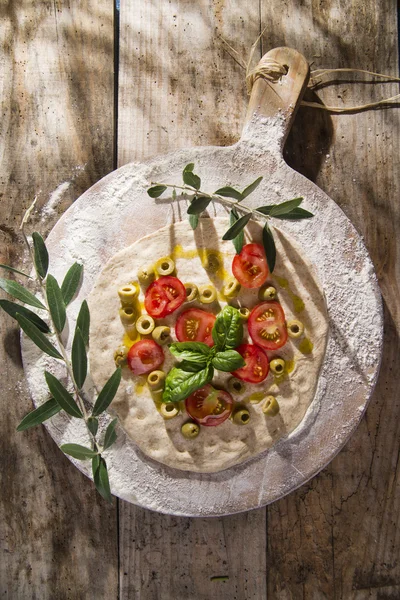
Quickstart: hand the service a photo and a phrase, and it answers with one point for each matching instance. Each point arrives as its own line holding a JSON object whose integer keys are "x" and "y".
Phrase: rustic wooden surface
{"x": 337, "y": 537}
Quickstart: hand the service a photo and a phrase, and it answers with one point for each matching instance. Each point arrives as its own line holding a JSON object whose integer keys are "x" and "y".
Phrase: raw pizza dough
{"x": 216, "y": 448}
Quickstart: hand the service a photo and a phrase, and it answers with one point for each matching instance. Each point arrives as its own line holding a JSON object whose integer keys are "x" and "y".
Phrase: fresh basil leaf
{"x": 250, "y": 188}
{"x": 197, "y": 352}
{"x": 12, "y": 308}
{"x": 78, "y": 451}
{"x": 156, "y": 191}
{"x": 107, "y": 394}
{"x": 237, "y": 241}
{"x": 237, "y": 227}
{"x": 198, "y": 204}
{"x": 191, "y": 179}
{"x": 93, "y": 425}
{"x": 194, "y": 221}
{"x": 269, "y": 247}
{"x": 189, "y": 168}
{"x": 79, "y": 358}
{"x": 18, "y": 291}
{"x": 229, "y": 360}
{"x": 180, "y": 384}
{"x": 37, "y": 336}
{"x": 71, "y": 282}
{"x": 190, "y": 367}
{"x": 110, "y": 436}
{"x": 39, "y": 415}
{"x": 296, "y": 213}
{"x": 62, "y": 396}
{"x": 8, "y": 268}
{"x": 56, "y": 303}
{"x": 229, "y": 192}
{"x": 40, "y": 253}
{"x": 101, "y": 480}
{"x": 83, "y": 321}
{"x": 227, "y": 332}
{"x": 285, "y": 207}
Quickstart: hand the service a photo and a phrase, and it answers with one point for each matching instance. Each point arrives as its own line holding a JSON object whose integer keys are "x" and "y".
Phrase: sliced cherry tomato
{"x": 208, "y": 406}
{"x": 195, "y": 325}
{"x": 267, "y": 325}
{"x": 250, "y": 267}
{"x": 257, "y": 365}
{"x": 145, "y": 356}
{"x": 163, "y": 296}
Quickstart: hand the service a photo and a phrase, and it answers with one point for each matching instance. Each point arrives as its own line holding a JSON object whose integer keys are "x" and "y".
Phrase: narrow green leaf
{"x": 78, "y": 451}
{"x": 198, "y": 204}
{"x": 93, "y": 425}
{"x": 285, "y": 207}
{"x": 37, "y": 336}
{"x": 83, "y": 321}
{"x": 250, "y": 188}
{"x": 174, "y": 194}
{"x": 269, "y": 247}
{"x": 41, "y": 255}
{"x": 191, "y": 179}
{"x": 237, "y": 227}
{"x": 79, "y": 358}
{"x": 71, "y": 282}
{"x": 229, "y": 360}
{"x": 95, "y": 463}
{"x": 156, "y": 191}
{"x": 194, "y": 221}
{"x": 188, "y": 167}
{"x": 229, "y": 192}
{"x": 18, "y": 291}
{"x": 296, "y": 213}
{"x": 62, "y": 396}
{"x": 12, "y": 308}
{"x": 107, "y": 394}
{"x": 39, "y": 415}
{"x": 8, "y": 268}
{"x": 56, "y": 303}
{"x": 265, "y": 210}
{"x": 237, "y": 241}
{"x": 110, "y": 435}
{"x": 101, "y": 480}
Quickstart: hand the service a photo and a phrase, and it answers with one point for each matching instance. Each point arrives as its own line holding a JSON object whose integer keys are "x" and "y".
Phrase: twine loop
{"x": 268, "y": 69}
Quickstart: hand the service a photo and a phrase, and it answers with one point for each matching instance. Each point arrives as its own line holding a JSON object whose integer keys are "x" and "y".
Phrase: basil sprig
{"x": 199, "y": 360}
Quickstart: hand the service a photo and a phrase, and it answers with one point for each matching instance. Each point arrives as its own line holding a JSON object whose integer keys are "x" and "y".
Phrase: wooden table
{"x": 87, "y": 88}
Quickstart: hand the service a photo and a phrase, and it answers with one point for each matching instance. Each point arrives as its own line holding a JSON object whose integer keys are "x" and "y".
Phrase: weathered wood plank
{"x": 341, "y": 530}
{"x": 177, "y": 88}
{"x": 58, "y": 538}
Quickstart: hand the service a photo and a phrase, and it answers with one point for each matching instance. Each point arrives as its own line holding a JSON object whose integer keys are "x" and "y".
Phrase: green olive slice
{"x": 120, "y": 356}
{"x": 161, "y": 335}
{"x": 267, "y": 293}
{"x": 244, "y": 313}
{"x": 156, "y": 380}
{"x": 241, "y": 416}
{"x": 236, "y": 386}
{"x": 192, "y": 291}
{"x": 145, "y": 324}
{"x": 169, "y": 410}
{"x": 277, "y": 366}
{"x": 128, "y": 294}
{"x": 231, "y": 289}
{"x": 127, "y": 314}
{"x": 207, "y": 293}
{"x": 165, "y": 266}
{"x": 295, "y": 328}
{"x": 146, "y": 275}
{"x": 190, "y": 430}
{"x": 270, "y": 406}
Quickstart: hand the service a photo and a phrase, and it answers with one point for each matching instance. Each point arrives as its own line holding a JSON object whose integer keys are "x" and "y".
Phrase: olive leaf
{"x": 269, "y": 247}
{"x": 93, "y": 425}
{"x": 83, "y": 321}
{"x": 296, "y": 213}
{"x": 107, "y": 394}
{"x": 229, "y": 192}
{"x": 71, "y": 282}
{"x": 18, "y": 291}
{"x": 285, "y": 207}
{"x": 56, "y": 303}
{"x": 197, "y": 352}
{"x": 198, "y": 204}
{"x": 62, "y": 396}
{"x": 37, "y": 336}
{"x": 250, "y": 188}
{"x": 12, "y": 308}
{"x": 189, "y": 168}
{"x": 228, "y": 360}
{"x": 8, "y": 268}
{"x": 227, "y": 332}
{"x": 79, "y": 358}
{"x": 101, "y": 480}
{"x": 40, "y": 253}
{"x": 237, "y": 227}
{"x": 194, "y": 221}
{"x": 78, "y": 451}
{"x": 156, "y": 191}
{"x": 180, "y": 384}
{"x": 237, "y": 241}
{"x": 265, "y": 210}
{"x": 39, "y": 415}
{"x": 191, "y": 179}
{"x": 95, "y": 463}
{"x": 110, "y": 435}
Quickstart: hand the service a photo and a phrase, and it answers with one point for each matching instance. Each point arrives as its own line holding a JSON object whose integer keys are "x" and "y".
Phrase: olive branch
{"x": 229, "y": 196}
{"x": 55, "y": 302}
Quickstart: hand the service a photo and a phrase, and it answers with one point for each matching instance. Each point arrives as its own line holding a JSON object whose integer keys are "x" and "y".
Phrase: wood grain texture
{"x": 58, "y": 538}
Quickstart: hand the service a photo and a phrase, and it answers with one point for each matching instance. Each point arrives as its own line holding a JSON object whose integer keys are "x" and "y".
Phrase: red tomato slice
{"x": 257, "y": 365}
{"x": 250, "y": 267}
{"x": 145, "y": 356}
{"x": 267, "y": 325}
{"x": 163, "y": 296}
{"x": 195, "y": 325}
{"x": 208, "y": 406}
